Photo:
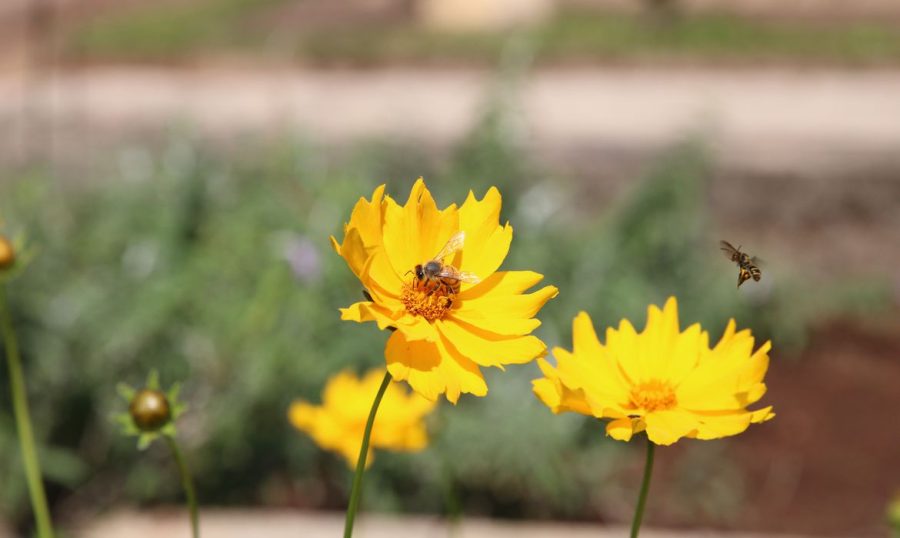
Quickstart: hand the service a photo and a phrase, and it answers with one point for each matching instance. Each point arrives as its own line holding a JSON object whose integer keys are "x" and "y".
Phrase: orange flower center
{"x": 653, "y": 395}
{"x": 430, "y": 304}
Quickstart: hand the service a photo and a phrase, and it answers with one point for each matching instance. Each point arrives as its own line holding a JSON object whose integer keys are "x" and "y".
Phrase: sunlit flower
{"x": 662, "y": 380}
{"x": 339, "y": 423}
{"x": 442, "y": 337}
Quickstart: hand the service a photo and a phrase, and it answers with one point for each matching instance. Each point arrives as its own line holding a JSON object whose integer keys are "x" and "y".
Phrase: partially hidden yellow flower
{"x": 7, "y": 253}
{"x": 443, "y": 336}
{"x": 662, "y": 380}
{"x": 339, "y": 423}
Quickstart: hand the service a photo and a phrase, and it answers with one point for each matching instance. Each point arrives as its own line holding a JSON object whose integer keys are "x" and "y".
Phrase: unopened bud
{"x": 150, "y": 410}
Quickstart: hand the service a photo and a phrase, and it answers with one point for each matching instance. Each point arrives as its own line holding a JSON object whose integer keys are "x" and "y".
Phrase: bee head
{"x": 420, "y": 274}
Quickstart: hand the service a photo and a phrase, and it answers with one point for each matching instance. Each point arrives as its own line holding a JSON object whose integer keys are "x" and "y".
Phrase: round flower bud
{"x": 150, "y": 410}
{"x": 7, "y": 253}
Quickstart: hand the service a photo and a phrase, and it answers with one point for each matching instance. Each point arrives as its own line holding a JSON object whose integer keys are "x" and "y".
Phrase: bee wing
{"x": 469, "y": 278}
{"x": 454, "y": 244}
{"x": 727, "y": 247}
{"x": 448, "y": 271}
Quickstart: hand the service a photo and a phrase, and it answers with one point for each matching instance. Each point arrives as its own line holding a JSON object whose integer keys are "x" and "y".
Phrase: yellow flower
{"x": 665, "y": 381}
{"x": 339, "y": 423}
{"x": 442, "y": 337}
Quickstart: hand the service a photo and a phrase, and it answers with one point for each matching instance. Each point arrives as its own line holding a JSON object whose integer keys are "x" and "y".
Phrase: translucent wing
{"x": 448, "y": 271}
{"x": 732, "y": 253}
{"x": 728, "y": 248}
{"x": 454, "y": 244}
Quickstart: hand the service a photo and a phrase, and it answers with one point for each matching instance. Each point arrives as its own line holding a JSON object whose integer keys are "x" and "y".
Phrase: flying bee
{"x": 437, "y": 275}
{"x": 744, "y": 261}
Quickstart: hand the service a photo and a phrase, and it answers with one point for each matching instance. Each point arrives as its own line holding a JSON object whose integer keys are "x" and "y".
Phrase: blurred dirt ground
{"x": 277, "y": 524}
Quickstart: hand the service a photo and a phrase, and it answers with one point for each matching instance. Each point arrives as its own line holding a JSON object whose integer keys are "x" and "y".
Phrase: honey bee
{"x": 745, "y": 262}
{"x": 436, "y": 275}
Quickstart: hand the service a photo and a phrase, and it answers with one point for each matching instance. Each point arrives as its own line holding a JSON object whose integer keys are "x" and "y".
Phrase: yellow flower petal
{"x": 489, "y": 349}
{"x": 499, "y": 326}
{"x": 361, "y": 231}
{"x": 414, "y": 233}
{"x": 431, "y": 369}
{"x": 555, "y": 395}
{"x": 502, "y": 283}
{"x": 487, "y": 243}
{"x": 620, "y": 429}
{"x": 510, "y": 306}
{"x": 666, "y": 427}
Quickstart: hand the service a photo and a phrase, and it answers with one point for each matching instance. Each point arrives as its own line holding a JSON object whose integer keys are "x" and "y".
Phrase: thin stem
{"x": 23, "y": 423}
{"x": 187, "y": 483}
{"x": 356, "y": 491}
{"x": 645, "y": 486}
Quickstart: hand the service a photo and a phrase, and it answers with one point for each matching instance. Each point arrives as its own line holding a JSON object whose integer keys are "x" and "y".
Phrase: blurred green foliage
{"x": 177, "y": 31}
{"x": 217, "y": 271}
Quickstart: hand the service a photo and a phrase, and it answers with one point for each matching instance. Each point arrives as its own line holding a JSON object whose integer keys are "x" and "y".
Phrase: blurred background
{"x": 181, "y": 164}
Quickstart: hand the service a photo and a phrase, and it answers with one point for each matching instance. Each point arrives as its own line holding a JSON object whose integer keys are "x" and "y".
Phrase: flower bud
{"x": 7, "y": 253}
{"x": 150, "y": 410}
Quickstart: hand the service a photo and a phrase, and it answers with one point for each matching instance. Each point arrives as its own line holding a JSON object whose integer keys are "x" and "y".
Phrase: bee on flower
{"x": 434, "y": 276}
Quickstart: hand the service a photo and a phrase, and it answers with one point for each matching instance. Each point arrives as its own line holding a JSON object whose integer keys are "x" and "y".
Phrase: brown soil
{"x": 830, "y": 461}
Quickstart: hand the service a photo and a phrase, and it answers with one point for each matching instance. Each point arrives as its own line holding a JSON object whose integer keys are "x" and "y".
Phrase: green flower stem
{"x": 23, "y": 423}
{"x": 645, "y": 486}
{"x": 356, "y": 491}
{"x": 187, "y": 483}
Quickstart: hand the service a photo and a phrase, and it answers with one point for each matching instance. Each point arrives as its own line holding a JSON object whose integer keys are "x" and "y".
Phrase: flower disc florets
{"x": 430, "y": 304}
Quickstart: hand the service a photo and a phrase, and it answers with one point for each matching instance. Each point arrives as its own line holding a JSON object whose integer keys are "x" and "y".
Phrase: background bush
{"x": 217, "y": 271}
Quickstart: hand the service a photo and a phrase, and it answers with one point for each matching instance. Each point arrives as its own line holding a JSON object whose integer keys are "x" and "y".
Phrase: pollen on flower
{"x": 419, "y": 302}
{"x": 653, "y": 395}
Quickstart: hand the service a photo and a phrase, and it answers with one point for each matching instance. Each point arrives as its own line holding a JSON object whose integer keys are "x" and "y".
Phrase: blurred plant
{"x": 151, "y": 415}
{"x": 11, "y": 265}
{"x": 893, "y": 516}
{"x": 663, "y": 381}
{"x": 218, "y": 283}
